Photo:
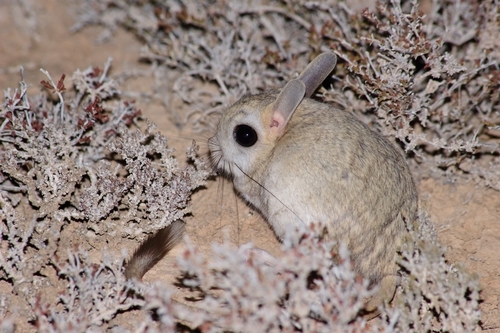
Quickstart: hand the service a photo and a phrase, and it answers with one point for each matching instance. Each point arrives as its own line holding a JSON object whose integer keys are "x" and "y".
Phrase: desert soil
{"x": 466, "y": 216}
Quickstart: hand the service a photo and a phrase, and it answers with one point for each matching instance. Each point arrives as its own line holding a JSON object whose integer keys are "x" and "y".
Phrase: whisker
{"x": 269, "y": 193}
{"x": 220, "y": 189}
{"x": 237, "y": 219}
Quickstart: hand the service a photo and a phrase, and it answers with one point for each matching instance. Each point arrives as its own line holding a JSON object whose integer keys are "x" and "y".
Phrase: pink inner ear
{"x": 277, "y": 120}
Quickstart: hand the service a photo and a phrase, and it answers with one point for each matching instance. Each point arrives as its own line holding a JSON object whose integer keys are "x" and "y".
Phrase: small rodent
{"x": 300, "y": 161}
{"x": 153, "y": 249}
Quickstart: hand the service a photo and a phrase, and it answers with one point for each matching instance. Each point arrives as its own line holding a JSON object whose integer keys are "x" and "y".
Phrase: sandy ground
{"x": 467, "y": 217}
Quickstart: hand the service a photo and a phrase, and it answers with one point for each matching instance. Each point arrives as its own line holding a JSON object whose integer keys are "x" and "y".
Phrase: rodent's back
{"x": 354, "y": 175}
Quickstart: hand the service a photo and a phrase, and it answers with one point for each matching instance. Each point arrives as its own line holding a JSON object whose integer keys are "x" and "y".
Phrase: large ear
{"x": 288, "y": 100}
{"x": 317, "y": 71}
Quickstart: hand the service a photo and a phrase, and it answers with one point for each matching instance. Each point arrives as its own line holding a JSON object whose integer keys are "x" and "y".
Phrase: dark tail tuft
{"x": 153, "y": 250}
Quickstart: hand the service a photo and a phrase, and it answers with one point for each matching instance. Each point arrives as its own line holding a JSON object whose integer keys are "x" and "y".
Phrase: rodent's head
{"x": 241, "y": 135}
{"x": 249, "y": 130}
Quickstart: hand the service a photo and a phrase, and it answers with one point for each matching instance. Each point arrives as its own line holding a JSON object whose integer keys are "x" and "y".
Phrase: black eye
{"x": 245, "y": 135}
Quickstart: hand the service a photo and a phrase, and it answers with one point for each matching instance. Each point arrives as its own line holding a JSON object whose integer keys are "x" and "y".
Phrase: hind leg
{"x": 385, "y": 294}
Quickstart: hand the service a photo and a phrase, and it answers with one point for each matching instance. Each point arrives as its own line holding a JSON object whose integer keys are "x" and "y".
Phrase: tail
{"x": 153, "y": 250}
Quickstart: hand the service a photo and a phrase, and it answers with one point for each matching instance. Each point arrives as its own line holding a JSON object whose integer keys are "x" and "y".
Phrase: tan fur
{"x": 325, "y": 166}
